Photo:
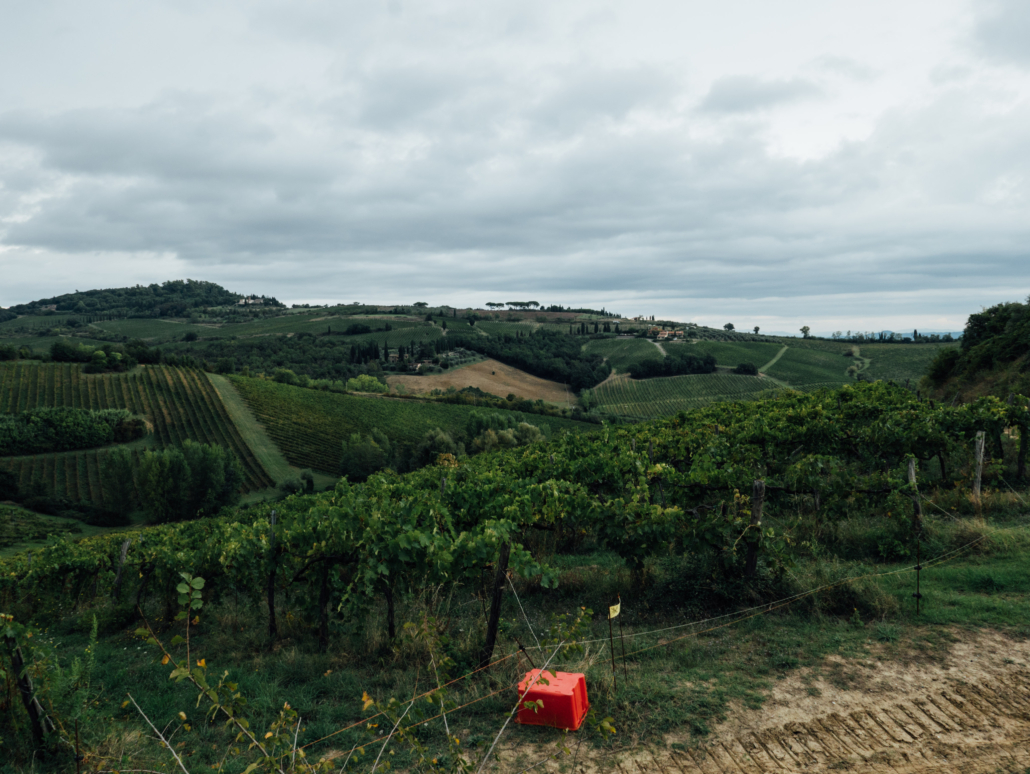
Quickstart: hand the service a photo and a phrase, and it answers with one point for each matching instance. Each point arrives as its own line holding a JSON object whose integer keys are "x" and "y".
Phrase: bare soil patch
{"x": 489, "y": 376}
{"x": 965, "y": 710}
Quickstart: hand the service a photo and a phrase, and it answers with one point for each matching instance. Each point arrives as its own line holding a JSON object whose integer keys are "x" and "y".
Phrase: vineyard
{"x": 309, "y": 426}
{"x": 71, "y": 475}
{"x": 179, "y": 404}
{"x": 622, "y": 353}
{"x": 151, "y": 329}
{"x": 665, "y": 396}
{"x": 798, "y": 367}
{"x": 733, "y": 353}
{"x": 890, "y": 361}
{"x": 735, "y": 496}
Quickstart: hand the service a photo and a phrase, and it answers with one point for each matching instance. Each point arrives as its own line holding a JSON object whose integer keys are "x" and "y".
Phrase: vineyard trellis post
{"x": 495, "y": 605}
{"x": 41, "y": 724}
{"x": 979, "y": 472}
{"x": 121, "y": 566}
{"x": 917, "y": 506}
{"x": 1024, "y": 441}
{"x": 273, "y": 630}
{"x": 757, "y": 498}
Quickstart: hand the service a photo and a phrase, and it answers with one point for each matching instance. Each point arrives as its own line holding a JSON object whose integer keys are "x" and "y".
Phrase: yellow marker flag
{"x": 613, "y": 611}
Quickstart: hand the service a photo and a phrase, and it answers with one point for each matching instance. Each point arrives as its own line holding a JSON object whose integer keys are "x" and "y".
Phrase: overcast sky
{"x": 836, "y": 164}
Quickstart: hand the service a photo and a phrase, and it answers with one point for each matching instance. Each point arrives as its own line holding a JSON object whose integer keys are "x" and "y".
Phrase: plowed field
{"x": 968, "y": 712}
{"x": 489, "y": 376}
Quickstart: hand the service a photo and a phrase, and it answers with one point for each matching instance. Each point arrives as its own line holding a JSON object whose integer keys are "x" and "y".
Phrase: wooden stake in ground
{"x": 622, "y": 641}
{"x": 979, "y": 472}
{"x": 757, "y": 498}
{"x": 495, "y": 606}
{"x": 917, "y": 506}
{"x": 121, "y": 566}
{"x": 612, "y": 612}
{"x": 273, "y": 630}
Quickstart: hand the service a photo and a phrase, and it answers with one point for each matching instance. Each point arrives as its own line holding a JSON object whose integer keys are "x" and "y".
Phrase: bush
{"x": 45, "y": 430}
{"x": 747, "y": 369}
{"x": 366, "y": 383}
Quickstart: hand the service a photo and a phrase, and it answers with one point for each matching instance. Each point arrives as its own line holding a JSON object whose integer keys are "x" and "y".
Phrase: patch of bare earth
{"x": 489, "y": 376}
{"x": 967, "y": 711}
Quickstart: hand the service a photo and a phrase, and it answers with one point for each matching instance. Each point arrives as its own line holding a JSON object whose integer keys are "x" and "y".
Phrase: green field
{"x": 179, "y": 404}
{"x": 649, "y": 398}
{"x": 622, "y": 353}
{"x": 309, "y": 426}
{"x": 730, "y": 353}
{"x": 151, "y": 329}
{"x": 798, "y": 367}
{"x": 900, "y": 362}
{"x": 492, "y": 328}
{"x": 40, "y": 322}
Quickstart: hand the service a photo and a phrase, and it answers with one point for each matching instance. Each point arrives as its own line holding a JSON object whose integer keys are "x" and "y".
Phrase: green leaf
{"x": 182, "y": 588}
{"x": 197, "y": 583}
{"x": 177, "y": 640}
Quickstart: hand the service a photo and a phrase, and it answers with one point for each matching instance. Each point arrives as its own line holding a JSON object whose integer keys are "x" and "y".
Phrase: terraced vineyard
{"x": 668, "y": 395}
{"x": 179, "y": 403}
{"x": 309, "y": 426}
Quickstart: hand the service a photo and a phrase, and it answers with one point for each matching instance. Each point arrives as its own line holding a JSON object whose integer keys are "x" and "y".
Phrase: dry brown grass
{"x": 489, "y": 376}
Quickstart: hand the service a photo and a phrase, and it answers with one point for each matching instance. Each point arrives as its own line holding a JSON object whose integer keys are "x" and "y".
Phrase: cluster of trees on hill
{"x": 993, "y": 339}
{"x": 45, "y": 430}
{"x": 173, "y": 484}
{"x": 543, "y": 353}
{"x": 174, "y": 298}
{"x": 676, "y": 364}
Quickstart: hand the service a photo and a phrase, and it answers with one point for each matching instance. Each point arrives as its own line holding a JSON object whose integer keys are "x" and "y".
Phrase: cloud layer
{"x": 452, "y": 151}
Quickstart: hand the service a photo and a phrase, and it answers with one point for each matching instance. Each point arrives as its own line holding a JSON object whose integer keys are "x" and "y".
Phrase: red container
{"x": 564, "y": 700}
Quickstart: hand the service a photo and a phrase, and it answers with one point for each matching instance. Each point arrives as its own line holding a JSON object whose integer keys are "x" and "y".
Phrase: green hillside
{"x": 309, "y": 425}
{"x": 665, "y": 396}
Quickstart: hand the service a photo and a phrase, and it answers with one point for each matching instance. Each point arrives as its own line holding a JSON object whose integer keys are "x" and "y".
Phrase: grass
{"x": 253, "y": 433}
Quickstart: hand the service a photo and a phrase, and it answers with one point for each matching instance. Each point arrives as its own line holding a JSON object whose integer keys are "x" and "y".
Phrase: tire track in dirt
{"x": 969, "y": 728}
{"x": 968, "y": 715}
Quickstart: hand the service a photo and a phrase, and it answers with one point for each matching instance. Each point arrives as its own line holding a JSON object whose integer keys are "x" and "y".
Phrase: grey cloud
{"x": 744, "y": 93}
{"x": 1002, "y": 32}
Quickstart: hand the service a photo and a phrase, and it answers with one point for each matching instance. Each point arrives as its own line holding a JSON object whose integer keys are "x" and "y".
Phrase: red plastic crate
{"x": 564, "y": 698}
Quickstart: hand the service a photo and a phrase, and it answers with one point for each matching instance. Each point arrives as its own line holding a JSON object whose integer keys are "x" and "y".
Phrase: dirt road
{"x": 968, "y": 713}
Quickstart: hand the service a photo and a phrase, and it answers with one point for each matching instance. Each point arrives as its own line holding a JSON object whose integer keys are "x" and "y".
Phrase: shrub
{"x": 748, "y": 369}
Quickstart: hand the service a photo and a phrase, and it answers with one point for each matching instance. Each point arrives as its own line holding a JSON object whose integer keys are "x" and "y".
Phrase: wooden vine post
{"x": 979, "y": 473}
{"x": 1024, "y": 439}
{"x": 121, "y": 566}
{"x": 917, "y": 505}
{"x": 495, "y": 606}
{"x": 41, "y": 724}
{"x": 757, "y": 499}
{"x": 273, "y": 630}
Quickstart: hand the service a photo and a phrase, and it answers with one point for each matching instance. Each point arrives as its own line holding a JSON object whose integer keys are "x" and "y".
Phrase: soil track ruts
{"x": 968, "y": 713}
